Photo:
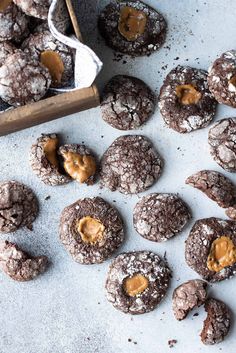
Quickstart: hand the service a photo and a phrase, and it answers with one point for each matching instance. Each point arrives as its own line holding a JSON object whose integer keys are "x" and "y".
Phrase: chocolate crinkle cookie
{"x": 35, "y": 8}
{"x": 137, "y": 282}
{"x": 185, "y": 101}
{"x": 56, "y": 56}
{"x": 210, "y": 249}
{"x": 187, "y": 296}
{"x": 91, "y": 230}
{"x": 23, "y": 80}
{"x": 19, "y": 265}
{"x": 79, "y": 163}
{"x": 18, "y": 206}
{"x": 217, "y": 324}
{"x": 13, "y": 22}
{"x": 158, "y": 217}
{"x": 44, "y": 160}
{"x": 127, "y": 102}
{"x": 215, "y": 185}
{"x": 6, "y": 49}
{"x": 222, "y": 78}
{"x": 130, "y": 165}
{"x": 132, "y": 27}
{"x": 222, "y": 142}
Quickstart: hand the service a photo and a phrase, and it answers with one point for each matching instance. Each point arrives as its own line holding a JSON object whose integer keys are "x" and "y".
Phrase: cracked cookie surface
{"x": 6, "y": 49}
{"x": 35, "y": 8}
{"x": 152, "y": 271}
{"x": 18, "y": 206}
{"x": 19, "y": 265}
{"x": 23, "y": 80}
{"x": 151, "y": 38}
{"x": 127, "y": 102}
{"x": 222, "y": 142}
{"x": 199, "y": 245}
{"x": 130, "y": 165}
{"x": 185, "y": 101}
{"x": 91, "y": 230}
{"x": 158, "y": 217}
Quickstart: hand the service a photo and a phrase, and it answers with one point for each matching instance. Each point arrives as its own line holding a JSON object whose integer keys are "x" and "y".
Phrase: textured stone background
{"x": 65, "y": 311}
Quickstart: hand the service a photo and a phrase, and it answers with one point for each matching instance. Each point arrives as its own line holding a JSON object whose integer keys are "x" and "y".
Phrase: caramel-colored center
{"x": 135, "y": 285}
{"x": 222, "y": 254}
{"x": 4, "y": 4}
{"x": 132, "y": 23}
{"x": 50, "y": 151}
{"x": 79, "y": 167}
{"x": 188, "y": 94}
{"x": 91, "y": 230}
{"x": 54, "y": 63}
{"x": 233, "y": 81}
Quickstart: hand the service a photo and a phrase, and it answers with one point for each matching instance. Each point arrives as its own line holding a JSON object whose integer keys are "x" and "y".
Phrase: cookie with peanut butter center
{"x": 158, "y": 217}
{"x": 222, "y": 78}
{"x": 91, "y": 230}
{"x": 13, "y": 22}
{"x": 127, "y": 102}
{"x": 185, "y": 101}
{"x": 222, "y": 142}
{"x": 132, "y": 27}
{"x": 54, "y": 55}
{"x": 44, "y": 160}
{"x": 137, "y": 281}
{"x": 79, "y": 163}
{"x": 34, "y": 8}
{"x": 130, "y": 165}
{"x": 23, "y": 80}
{"x": 210, "y": 249}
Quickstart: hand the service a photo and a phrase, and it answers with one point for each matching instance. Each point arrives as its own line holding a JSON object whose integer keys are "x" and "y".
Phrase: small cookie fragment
{"x": 13, "y": 22}
{"x": 132, "y": 27}
{"x": 130, "y": 165}
{"x": 18, "y": 206}
{"x": 187, "y": 296}
{"x": 222, "y": 142}
{"x": 210, "y": 249}
{"x": 6, "y": 49}
{"x": 35, "y": 8}
{"x": 137, "y": 282}
{"x": 222, "y": 78}
{"x": 44, "y": 160}
{"x": 19, "y": 265}
{"x": 218, "y": 321}
{"x": 91, "y": 230}
{"x": 215, "y": 185}
{"x": 158, "y": 217}
{"x": 23, "y": 80}
{"x": 79, "y": 163}
{"x": 56, "y": 56}
{"x": 231, "y": 213}
{"x": 127, "y": 102}
{"x": 185, "y": 101}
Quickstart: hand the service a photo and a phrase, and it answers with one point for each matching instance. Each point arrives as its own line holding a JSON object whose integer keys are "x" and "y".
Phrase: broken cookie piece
{"x": 79, "y": 163}
{"x": 35, "y": 8}
{"x": 218, "y": 321}
{"x": 44, "y": 160}
{"x": 18, "y": 206}
{"x": 19, "y": 265}
{"x": 215, "y": 185}
{"x": 187, "y": 296}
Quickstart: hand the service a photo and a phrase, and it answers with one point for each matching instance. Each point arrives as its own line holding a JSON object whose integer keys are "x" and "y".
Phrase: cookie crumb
{"x": 172, "y": 343}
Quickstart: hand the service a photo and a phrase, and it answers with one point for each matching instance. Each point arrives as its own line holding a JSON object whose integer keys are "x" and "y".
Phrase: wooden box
{"x": 50, "y": 108}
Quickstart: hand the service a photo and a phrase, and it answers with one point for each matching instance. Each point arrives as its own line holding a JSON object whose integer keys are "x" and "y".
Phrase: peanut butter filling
{"x": 135, "y": 285}
{"x": 4, "y": 4}
{"x": 54, "y": 63}
{"x": 91, "y": 230}
{"x": 79, "y": 167}
{"x": 222, "y": 254}
{"x": 233, "y": 81}
{"x": 50, "y": 151}
{"x": 188, "y": 94}
{"x": 132, "y": 23}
